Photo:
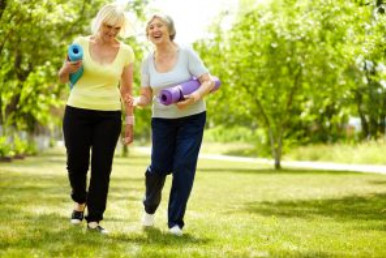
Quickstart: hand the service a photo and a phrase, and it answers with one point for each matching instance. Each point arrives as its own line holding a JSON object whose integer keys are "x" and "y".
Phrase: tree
{"x": 34, "y": 37}
{"x": 369, "y": 71}
{"x": 286, "y": 61}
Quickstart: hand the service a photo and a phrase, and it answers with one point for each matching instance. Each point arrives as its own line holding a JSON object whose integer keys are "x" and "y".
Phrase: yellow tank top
{"x": 98, "y": 87}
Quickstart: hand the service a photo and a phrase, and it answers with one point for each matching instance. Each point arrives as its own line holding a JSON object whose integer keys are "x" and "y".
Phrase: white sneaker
{"x": 176, "y": 230}
{"x": 75, "y": 221}
{"x": 148, "y": 219}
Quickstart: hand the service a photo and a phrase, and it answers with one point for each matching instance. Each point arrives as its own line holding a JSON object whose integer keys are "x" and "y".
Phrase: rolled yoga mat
{"x": 176, "y": 93}
{"x": 75, "y": 53}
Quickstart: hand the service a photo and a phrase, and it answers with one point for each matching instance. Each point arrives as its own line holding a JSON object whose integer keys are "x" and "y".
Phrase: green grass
{"x": 236, "y": 210}
{"x": 372, "y": 152}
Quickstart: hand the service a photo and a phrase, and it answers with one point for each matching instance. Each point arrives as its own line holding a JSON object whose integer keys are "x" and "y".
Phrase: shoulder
{"x": 82, "y": 39}
{"x": 147, "y": 58}
{"x": 126, "y": 47}
{"x": 187, "y": 50}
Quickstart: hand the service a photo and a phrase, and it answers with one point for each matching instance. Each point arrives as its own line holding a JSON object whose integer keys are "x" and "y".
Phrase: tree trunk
{"x": 3, "y": 4}
{"x": 276, "y": 149}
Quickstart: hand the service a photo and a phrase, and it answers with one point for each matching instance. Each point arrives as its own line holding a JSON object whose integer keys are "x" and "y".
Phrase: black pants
{"x": 175, "y": 147}
{"x": 98, "y": 131}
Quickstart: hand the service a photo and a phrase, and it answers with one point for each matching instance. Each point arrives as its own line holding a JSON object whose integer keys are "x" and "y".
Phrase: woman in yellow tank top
{"x": 92, "y": 119}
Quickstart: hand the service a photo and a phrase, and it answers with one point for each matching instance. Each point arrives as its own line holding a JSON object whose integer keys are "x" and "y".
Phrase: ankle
{"x": 93, "y": 224}
{"x": 79, "y": 206}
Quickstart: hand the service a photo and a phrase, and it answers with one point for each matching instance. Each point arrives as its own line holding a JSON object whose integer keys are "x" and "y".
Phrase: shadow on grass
{"x": 155, "y": 236}
{"x": 53, "y": 235}
{"x": 378, "y": 182}
{"x": 305, "y": 254}
{"x": 364, "y": 208}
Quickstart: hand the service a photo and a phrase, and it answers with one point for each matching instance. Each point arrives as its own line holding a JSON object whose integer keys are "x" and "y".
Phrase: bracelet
{"x": 129, "y": 120}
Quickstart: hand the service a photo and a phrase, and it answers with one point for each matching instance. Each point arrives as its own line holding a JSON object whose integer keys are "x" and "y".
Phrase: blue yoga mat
{"x": 75, "y": 53}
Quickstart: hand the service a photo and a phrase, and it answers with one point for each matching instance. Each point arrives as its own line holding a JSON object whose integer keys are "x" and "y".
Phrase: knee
{"x": 157, "y": 171}
{"x": 77, "y": 168}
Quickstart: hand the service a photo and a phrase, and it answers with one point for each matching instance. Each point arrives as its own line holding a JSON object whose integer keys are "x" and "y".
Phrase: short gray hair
{"x": 165, "y": 19}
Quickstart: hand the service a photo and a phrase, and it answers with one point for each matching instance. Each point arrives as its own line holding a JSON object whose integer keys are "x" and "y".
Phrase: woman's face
{"x": 109, "y": 32}
{"x": 158, "y": 31}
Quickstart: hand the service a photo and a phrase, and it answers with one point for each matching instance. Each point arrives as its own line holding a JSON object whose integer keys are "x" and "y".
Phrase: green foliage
{"x": 223, "y": 134}
{"x": 285, "y": 68}
{"x": 19, "y": 146}
{"x": 368, "y": 152}
{"x": 34, "y": 37}
{"x": 5, "y": 147}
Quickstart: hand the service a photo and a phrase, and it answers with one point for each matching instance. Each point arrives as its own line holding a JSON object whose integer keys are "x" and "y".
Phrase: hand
{"x": 72, "y": 66}
{"x": 129, "y": 135}
{"x": 131, "y": 101}
{"x": 188, "y": 100}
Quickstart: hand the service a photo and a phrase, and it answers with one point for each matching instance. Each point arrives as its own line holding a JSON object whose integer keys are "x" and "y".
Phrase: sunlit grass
{"x": 236, "y": 210}
{"x": 372, "y": 152}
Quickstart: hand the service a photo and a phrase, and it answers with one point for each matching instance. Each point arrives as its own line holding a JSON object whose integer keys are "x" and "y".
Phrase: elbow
{"x": 62, "y": 80}
{"x": 62, "y": 77}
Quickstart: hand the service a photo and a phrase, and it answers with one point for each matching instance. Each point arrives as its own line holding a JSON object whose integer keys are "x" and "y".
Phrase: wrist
{"x": 197, "y": 96}
{"x": 129, "y": 120}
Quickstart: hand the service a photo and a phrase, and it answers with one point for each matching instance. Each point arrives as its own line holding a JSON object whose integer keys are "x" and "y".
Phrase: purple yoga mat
{"x": 176, "y": 93}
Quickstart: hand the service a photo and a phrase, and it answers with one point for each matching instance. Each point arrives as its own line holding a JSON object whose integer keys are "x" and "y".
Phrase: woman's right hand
{"x": 129, "y": 134}
{"x": 72, "y": 66}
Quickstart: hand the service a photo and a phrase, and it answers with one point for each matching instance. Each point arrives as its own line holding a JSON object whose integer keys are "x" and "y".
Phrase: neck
{"x": 166, "y": 48}
{"x": 102, "y": 41}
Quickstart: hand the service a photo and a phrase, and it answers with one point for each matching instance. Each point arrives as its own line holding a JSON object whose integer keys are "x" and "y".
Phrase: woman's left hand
{"x": 188, "y": 100}
{"x": 129, "y": 134}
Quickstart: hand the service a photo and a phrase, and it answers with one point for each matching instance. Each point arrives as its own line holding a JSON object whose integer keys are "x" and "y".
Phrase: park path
{"x": 379, "y": 169}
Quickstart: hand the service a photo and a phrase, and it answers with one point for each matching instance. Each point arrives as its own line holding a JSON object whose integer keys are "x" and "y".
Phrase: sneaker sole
{"x": 75, "y": 221}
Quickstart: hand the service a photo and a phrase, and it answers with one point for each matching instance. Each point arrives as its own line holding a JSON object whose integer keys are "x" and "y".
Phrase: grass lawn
{"x": 236, "y": 210}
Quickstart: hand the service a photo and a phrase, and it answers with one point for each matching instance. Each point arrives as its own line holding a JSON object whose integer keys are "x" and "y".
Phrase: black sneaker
{"x": 76, "y": 217}
{"x": 97, "y": 229}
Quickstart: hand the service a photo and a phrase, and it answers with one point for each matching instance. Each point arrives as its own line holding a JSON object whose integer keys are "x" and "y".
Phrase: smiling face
{"x": 158, "y": 31}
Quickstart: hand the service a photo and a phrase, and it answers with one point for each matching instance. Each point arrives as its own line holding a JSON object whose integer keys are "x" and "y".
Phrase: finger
{"x": 127, "y": 140}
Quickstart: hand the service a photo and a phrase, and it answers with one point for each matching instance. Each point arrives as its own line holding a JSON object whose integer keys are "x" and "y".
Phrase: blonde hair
{"x": 112, "y": 14}
{"x": 165, "y": 19}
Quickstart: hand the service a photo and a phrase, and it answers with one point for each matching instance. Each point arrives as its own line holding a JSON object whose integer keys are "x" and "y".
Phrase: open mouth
{"x": 157, "y": 36}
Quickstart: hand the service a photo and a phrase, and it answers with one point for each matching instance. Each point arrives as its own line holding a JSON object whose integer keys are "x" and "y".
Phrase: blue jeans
{"x": 175, "y": 147}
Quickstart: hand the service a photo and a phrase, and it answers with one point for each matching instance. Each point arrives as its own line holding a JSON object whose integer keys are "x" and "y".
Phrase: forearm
{"x": 145, "y": 97}
{"x": 128, "y": 108}
{"x": 64, "y": 75}
{"x": 205, "y": 88}
{"x": 143, "y": 100}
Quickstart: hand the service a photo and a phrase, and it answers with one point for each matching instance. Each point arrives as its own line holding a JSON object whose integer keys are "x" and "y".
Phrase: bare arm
{"x": 144, "y": 98}
{"x": 67, "y": 68}
{"x": 126, "y": 88}
{"x": 207, "y": 84}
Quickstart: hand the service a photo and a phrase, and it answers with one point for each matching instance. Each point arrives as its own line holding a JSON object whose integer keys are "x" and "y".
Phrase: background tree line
{"x": 34, "y": 37}
{"x": 293, "y": 71}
